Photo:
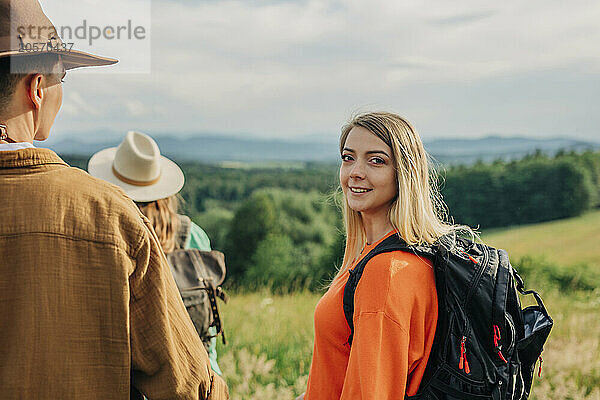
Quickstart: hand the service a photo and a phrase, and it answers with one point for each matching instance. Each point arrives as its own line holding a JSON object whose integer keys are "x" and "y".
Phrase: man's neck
{"x": 10, "y": 141}
{"x": 19, "y": 129}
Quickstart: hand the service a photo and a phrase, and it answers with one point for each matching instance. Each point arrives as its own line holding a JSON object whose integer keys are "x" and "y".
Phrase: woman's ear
{"x": 36, "y": 91}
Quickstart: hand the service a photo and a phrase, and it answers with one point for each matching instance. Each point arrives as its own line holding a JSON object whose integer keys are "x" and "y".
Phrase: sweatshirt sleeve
{"x": 378, "y": 363}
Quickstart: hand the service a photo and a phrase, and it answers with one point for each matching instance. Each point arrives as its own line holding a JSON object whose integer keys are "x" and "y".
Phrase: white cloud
{"x": 74, "y": 104}
{"x": 302, "y": 67}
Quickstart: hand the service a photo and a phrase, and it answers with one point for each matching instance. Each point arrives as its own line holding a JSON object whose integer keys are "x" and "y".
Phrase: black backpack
{"x": 485, "y": 345}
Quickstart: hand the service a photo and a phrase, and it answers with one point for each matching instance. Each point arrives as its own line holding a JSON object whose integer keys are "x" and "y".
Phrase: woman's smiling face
{"x": 367, "y": 173}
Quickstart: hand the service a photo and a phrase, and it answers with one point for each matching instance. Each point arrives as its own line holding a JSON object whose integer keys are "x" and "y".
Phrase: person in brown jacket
{"x": 89, "y": 309}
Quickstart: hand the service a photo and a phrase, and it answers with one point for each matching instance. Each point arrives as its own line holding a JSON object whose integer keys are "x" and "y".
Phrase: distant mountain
{"x": 468, "y": 151}
{"x": 210, "y": 149}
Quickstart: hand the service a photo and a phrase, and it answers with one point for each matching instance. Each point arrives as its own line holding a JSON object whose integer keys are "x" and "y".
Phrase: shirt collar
{"x": 29, "y": 157}
{"x": 15, "y": 146}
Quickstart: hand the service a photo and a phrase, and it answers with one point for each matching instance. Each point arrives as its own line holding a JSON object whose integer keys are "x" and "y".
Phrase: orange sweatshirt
{"x": 395, "y": 315}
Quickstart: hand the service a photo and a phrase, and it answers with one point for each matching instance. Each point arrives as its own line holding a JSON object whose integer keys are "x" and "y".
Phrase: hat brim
{"x": 170, "y": 182}
{"x": 76, "y": 59}
{"x": 71, "y": 58}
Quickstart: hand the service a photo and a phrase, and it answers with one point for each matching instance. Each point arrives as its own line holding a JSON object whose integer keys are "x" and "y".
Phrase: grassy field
{"x": 269, "y": 345}
{"x": 270, "y": 337}
{"x": 566, "y": 242}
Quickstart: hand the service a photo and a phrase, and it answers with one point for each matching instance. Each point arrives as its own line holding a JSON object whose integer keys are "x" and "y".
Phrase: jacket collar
{"x": 29, "y": 158}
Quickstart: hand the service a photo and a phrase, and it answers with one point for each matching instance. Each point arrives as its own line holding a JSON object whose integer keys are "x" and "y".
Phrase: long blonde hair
{"x": 162, "y": 214}
{"x": 418, "y": 213}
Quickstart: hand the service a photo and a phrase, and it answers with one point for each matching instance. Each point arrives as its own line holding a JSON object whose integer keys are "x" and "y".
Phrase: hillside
{"x": 565, "y": 242}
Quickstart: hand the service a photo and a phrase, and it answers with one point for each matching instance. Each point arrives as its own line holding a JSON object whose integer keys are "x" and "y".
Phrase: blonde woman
{"x": 152, "y": 181}
{"x": 388, "y": 190}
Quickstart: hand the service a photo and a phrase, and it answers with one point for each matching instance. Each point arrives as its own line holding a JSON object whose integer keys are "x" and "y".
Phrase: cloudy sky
{"x": 299, "y": 69}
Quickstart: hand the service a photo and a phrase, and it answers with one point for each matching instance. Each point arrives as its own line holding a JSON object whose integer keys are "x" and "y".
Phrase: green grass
{"x": 269, "y": 347}
{"x": 566, "y": 242}
{"x": 571, "y": 368}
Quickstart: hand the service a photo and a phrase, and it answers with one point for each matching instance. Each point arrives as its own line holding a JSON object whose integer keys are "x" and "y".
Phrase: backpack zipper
{"x": 463, "y": 363}
{"x": 477, "y": 278}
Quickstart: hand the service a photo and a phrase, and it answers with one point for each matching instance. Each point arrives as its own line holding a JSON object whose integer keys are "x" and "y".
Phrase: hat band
{"x": 133, "y": 182}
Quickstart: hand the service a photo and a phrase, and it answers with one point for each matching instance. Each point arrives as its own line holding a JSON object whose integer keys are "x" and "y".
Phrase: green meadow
{"x": 565, "y": 242}
{"x": 269, "y": 346}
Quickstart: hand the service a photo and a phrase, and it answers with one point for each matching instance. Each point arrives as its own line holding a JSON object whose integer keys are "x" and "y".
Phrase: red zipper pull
{"x": 496, "y": 335}
{"x": 470, "y": 258}
{"x": 502, "y": 357}
{"x": 497, "y": 345}
{"x": 463, "y": 363}
{"x": 540, "y": 369}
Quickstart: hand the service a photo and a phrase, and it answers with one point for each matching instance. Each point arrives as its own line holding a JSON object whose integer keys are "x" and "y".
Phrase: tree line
{"x": 534, "y": 189}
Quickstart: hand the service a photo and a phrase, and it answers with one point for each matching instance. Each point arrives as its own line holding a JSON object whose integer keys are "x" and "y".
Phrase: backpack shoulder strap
{"x": 184, "y": 231}
{"x": 392, "y": 243}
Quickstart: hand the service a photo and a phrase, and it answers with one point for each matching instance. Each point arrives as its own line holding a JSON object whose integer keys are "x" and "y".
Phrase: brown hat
{"x": 26, "y": 30}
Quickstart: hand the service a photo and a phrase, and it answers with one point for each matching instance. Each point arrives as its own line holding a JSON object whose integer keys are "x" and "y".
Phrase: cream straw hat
{"x": 138, "y": 168}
